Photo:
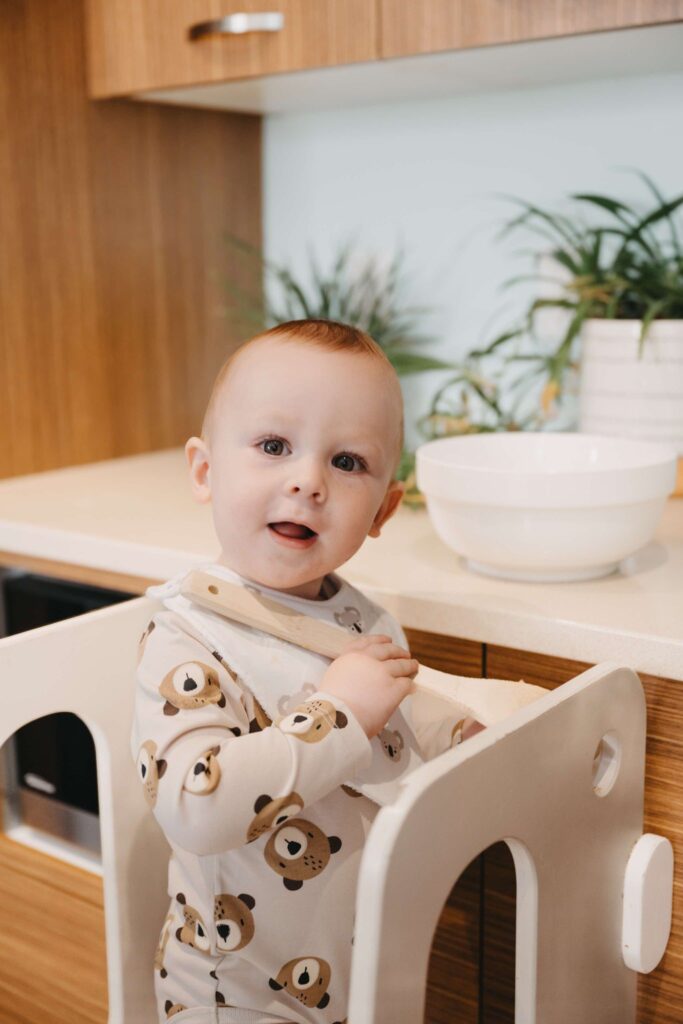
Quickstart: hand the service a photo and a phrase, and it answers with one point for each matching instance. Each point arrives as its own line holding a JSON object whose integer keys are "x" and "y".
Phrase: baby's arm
{"x": 437, "y": 727}
{"x": 214, "y": 785}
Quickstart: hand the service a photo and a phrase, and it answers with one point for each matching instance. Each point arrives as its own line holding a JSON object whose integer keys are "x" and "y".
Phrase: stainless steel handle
{"x": 239, "y": 23}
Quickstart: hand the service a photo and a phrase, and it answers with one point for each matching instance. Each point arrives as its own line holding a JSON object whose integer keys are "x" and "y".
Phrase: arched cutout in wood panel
{"x": 472, "y": 966}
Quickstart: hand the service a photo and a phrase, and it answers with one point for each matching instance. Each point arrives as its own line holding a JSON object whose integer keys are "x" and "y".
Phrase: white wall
{"x": 425, "y": 173}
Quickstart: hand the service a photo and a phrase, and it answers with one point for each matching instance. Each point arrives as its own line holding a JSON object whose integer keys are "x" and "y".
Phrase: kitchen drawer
{"x": 428, "y": 26}
{"x": 138, "y": 45}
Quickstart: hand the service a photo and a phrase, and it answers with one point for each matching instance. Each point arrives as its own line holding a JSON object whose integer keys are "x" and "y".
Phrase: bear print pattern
{"x": 173, "y": 1008}
{"x": 392, "y": 743}
{"x": 234, "y": 921}
{"x": 290, "y": 702}
{"x": 150, "y": 770}
{"x": 270, "y": 813}
{"x": 260, "y": 720}
{"x": 350, "y": 619}
{"x": 296, "y": 850}
{"x": 456, "y": 732}
{"x": 161, "y": 948}
{"x": 191, "y": 685}
{"x": 143, "y": 639}
{"x": 306, "y": 979}
{"x": 299, "y": 850}
{"x": 204, "y": 775}
{"x": 313, "y": 720}
{"x": 193, "y": 933}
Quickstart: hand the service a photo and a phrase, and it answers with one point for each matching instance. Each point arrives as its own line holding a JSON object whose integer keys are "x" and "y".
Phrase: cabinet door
{"x": 453, "y": 980}
{"x": 51, "y": 918}
{"x": 426, "y": 26}
{"x": 660, "y": 993}
{"x": 136, "y": 45}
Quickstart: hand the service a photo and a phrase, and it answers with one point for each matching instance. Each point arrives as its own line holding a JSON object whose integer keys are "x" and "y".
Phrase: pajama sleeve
{"x": 215, "y": 772}
{"x": 435, "y": 724}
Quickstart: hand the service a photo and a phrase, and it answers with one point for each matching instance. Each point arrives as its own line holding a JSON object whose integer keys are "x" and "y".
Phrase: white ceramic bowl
{"x": 535, "y": 506}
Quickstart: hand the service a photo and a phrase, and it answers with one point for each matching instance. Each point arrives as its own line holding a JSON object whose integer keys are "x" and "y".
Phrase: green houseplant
{"x": 619, "y": 283}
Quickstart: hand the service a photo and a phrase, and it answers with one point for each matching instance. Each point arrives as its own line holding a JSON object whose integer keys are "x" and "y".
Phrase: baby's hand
{"x": 372, "y": 677}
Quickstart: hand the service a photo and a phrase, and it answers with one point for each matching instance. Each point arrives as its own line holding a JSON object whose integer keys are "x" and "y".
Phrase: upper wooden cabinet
{"x": 145, "y": 47}
{"x": 137, "y": 45}
{"x": 427, "y": 26}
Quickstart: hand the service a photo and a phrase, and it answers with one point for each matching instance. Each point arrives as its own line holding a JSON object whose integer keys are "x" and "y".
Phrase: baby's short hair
{"x": 327, "y": 334}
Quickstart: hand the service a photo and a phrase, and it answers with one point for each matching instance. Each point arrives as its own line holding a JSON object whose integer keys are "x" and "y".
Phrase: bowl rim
{"x": 587, "y": 487}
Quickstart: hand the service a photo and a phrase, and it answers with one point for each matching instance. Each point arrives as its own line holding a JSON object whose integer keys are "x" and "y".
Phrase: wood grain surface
{"x": 428, "y": 26}
{"x": 52, "y": 951}
{"x": 113, "y": 256}
{"x": 660, "y": 993}
{"x": 136, "y": 45}
{"x": 135, "y": 585}
{"x": 454, "y": 978}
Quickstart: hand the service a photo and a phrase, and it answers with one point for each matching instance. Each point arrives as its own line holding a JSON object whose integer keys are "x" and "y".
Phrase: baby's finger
{"x": 382, "y": 652}
{"x": 404, "y": 667}
{"x": 359, "y": 643}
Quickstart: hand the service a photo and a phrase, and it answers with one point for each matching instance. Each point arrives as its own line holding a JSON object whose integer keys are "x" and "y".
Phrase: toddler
{"x": 259, "y": 759}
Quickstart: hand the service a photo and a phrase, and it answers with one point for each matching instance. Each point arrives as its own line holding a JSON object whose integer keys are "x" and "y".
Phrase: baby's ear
{"x": 392, "y": 500}
{"x": 198, "y": 461}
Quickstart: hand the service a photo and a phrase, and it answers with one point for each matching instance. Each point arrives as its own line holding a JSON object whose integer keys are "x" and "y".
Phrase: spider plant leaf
{"x": 526, "y": 357}
{"x": 562, "y": 226}
{"x": 497, "y": 342}
{"x": 662, "y": 201}
{"x": 651, "y": 313}
{"x": 664, "y": 210}
{"x": 531, "y": 276}
{"x": 565, "y": 260}
{"x": 411, "y": 362}
{"x": 613, "y": 206}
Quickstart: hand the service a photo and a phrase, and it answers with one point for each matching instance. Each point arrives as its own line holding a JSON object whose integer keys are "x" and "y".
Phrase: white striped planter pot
{"x": 624, "y": 394}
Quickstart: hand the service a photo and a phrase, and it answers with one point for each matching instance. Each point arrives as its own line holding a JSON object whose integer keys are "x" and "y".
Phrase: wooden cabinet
{"x": 428, "y": 26}
{"x": 455, "y": 966}
{"x": 52, "y": 950}
{"x": 144, "y": 47}
{"x": 660, "y": 993}
{"x": 135, "y": 45}
{"x": 112, "y": 253}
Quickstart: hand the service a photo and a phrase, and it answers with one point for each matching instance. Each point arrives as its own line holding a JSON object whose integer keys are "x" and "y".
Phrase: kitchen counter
{"x": 135, "y": 517}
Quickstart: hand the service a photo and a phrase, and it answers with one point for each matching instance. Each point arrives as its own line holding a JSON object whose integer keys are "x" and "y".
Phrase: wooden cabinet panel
{"x": 453, "y": 981}
{"x": 112, "y": 253}
{"x": 52, "y": 951}
{"x": 498, "y": 923}
{"x": 445, "y": 653}
{"x": 135, "y": 45}
{"x": 660, "y": 993}
{"x": 431, "y": 25}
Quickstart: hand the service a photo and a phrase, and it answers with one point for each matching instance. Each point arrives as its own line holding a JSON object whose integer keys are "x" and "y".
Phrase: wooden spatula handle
{"x": 487, "y": 700}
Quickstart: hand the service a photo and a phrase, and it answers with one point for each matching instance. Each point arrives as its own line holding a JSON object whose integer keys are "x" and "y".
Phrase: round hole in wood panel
{"x": 606, "y": 763}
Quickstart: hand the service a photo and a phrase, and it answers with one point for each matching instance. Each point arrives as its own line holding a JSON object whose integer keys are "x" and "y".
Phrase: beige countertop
{"x": 136, "y": 516}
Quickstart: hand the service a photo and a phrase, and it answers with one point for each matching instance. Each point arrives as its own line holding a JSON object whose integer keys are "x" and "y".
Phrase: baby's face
{"x": 299, "y": 435}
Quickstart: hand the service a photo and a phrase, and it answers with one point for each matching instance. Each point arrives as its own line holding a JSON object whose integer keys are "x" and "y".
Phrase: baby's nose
{"x": 308, "y": 478}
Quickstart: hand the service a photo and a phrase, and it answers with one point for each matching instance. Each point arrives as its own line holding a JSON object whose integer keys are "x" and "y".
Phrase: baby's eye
{"x": 272, "y": 445}
{"x": 348, "y": 460}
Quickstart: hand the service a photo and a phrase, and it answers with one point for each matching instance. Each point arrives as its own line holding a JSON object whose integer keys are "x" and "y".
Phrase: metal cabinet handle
{"x": 239, "y": 23}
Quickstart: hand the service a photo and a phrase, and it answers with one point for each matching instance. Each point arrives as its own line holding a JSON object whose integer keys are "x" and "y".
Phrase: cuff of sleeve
{"x": 357, "y": 745}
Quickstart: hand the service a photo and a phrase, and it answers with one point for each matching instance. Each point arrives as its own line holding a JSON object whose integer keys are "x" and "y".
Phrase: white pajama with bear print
{"x": 245, "y": 765}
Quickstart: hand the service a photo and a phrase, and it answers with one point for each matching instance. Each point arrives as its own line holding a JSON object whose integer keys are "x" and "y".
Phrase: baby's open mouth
{"x": 292, "y": 530}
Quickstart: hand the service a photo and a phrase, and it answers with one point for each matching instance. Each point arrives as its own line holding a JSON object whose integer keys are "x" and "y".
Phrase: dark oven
{"x": 49, "y": 765}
